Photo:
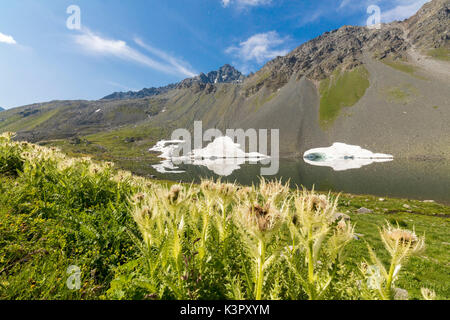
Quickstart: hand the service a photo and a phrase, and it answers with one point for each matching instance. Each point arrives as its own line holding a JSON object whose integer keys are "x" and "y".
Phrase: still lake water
{"x": 401, "y": 178}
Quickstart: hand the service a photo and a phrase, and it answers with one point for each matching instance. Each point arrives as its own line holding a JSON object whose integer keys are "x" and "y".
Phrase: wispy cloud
{"x": 403, "y": 10}
{"x": 344, "y": 3}
{"x": 243, "y": 3}
{"x": 179, "y": 65}
{"x": 7, "y": 39}
{"x": 258, "y": 49}
{"x": 98, "y": 45}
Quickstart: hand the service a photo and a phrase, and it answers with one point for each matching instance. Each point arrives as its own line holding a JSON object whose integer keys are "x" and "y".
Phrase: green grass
{"x": 115, "y": 145}
{"x": 18, "y": 123}
{"x": 440, "y": 54}
{"x": 343, "y": 89}
{"x": 403, "y": 94}
{"x": 429, "y": 270}
{"x": 57, "y": 212}
{"x": 401, "y": 66}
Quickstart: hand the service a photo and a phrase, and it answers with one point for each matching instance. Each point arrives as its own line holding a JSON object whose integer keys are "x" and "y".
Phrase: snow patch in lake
{"x": 341, "y": 157}
{"x": 222, "y": 156}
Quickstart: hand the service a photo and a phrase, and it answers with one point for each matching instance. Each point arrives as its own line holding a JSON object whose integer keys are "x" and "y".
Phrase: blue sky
{"x": 128, "y": 45}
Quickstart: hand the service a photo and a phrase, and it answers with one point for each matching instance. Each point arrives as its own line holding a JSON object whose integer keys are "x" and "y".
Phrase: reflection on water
{"x": 222, "y": 156}
{"x": 423, "y": 180}
{"x": 342, "y": 157}
{"x": 219, "y": 166}
{"x": 323, "y": 168}
{"x": 345, "y": 164}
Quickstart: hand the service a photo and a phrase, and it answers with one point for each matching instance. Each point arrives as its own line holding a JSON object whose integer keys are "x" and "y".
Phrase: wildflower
{"x": 400, "y": 294}
{"x": 318, "y": 202}
{"x": 139, "y": 197}
{"x": 403, "y": 236}
{"x": 259, "y": 219}
{"x": 243, "y": 192}
{"x": 401, "y": 242}
{"x": 174, "y": 193}
{"x": 109, "y": 164}
{"x": 273, "y": 191}
{"x": 227, "y": 189}
{"x": 7, "y": 135}
{"x": 208, "y": 185}
{"x": 342, "y": 226}
{"x": 146, "y": 212}
{"x": 428, "y": 294}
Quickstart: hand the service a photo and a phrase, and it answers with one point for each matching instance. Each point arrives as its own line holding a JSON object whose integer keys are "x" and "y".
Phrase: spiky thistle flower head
{"x": 259, "y": 219}
{"x": 401, "y": 243}
{"x": 138, "y": 198}
{"x": 213, "y": 189}
{"x": 317, "y": 202}
{"x": 227, "y": 189}
{"x": 208, "y": 185}
{"x": 7, "y": 136}
{"x": 428, "y": 294}
{"x": 95, "y": 169}
{"x": 244, "y": 194}
{"x": 314, "y": 209}
{"x": 174, "y": 193}
{"x": 122, "y": 176}
{"x": 274, "y": 191}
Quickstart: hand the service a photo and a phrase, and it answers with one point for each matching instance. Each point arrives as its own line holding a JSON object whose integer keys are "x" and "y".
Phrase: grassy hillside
{"x": 135, "y": 238}
{"x": 342, "y": 89}
{"x": 440, "y": 54}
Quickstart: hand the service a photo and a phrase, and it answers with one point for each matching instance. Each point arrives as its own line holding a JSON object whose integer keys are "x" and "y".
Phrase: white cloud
{"x": 95, "y": 44}
{"x": 179, "y": 65}
{"x": 7, "y": 39}
{"x": 344, "y": 3}
{"x": 403, "y": 10}
{"x": 259, "y": 48}
{"x": 242, "y": 3}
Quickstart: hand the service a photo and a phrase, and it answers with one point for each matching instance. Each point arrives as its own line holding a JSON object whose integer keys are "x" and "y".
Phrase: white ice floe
{"x": 225, "y": 148}
{"x": 167, "y": 148}
{"x": 341, "y": 157}
{"x": 222, "y": 156}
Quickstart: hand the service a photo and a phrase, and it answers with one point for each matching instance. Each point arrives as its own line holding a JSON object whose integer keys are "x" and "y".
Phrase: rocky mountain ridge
{"x": 380, "y": 89}
{"x": 344, "y": 48}
{"x": 225, "y": 74}
{"x": 317, "y": 59}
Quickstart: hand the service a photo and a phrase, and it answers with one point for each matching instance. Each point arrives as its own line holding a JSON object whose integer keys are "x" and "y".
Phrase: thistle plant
{"x": 314, "y": 233}
{"x": 190, "y": 241}
{"x": 274, "y": 191}
{"x": 401, "y": 245}
{"x": 258, "y": 224}
{"x": 428, "y": 294}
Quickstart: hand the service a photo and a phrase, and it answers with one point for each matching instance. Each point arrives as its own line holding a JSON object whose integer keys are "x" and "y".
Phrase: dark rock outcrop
{"x": 147, "y": 92}
{"x": 226, "y": 74}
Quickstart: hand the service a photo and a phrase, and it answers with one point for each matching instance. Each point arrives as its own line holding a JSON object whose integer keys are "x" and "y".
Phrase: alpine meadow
{"x": 165, "y": 193}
